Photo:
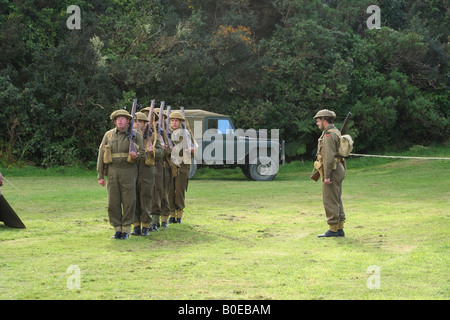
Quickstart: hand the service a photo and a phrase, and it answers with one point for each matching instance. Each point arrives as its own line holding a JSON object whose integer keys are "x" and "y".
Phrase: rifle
{"x": 160, "y": 118}
{"x": 131, "y": 133}
{"x": 316, "y": 175}
{"x": 167, "y": 127}
{"x": 150, "y": 124}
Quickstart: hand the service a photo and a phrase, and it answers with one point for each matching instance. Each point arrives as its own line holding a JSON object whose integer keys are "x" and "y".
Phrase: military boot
{"x": 145, "y": 231}
{"x": 179, "y": 215}
{"x": 172, "y": 220}
{"x": 164, "y": 225}
{"x": 330, "y": 233}
{"x": 124, "y": 236}
{"x": 117, "y": 235}
{"x": 136, "y": 231}
{"x": 340, "y": 229}
{"x": 154, "y": 227}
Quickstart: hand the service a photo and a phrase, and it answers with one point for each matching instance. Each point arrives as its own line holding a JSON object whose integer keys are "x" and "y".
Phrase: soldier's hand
{"x": 134, "y": 155}
{"x": 101, "y": 182}
{"x": 327, "y": 181}
{"x": 192, "y": 150}
{"x": 150, "y": 149}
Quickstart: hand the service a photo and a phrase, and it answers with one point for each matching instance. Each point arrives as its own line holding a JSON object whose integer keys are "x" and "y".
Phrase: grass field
{"x": 239, "y": 239}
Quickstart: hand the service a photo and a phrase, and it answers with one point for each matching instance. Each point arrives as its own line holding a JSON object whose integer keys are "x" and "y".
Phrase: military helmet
{"x": 118, "y": 113}
{"x": 325, "y": 113}
{"x": 156, "y": 111}
{"x": 145, "y": 111}
{"x": 177, "y": 115}
{"x": 140, "y": 116}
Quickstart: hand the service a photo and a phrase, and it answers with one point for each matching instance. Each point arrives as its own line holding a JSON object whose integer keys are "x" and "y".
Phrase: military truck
{"x": 221, "y": 145}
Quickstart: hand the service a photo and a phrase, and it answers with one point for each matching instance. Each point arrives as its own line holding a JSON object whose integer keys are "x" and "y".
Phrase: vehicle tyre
{"x": 245, "y": 171}
{"x": 262, "y": 171}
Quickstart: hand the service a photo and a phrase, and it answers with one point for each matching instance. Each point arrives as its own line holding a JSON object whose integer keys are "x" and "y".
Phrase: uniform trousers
{"x": 332, "y": 194}
{"x": 160, "y": 200}
{"x": 177, "y": 190}
{"x": 144, "y": 194}
{"x": 121, "y": 188}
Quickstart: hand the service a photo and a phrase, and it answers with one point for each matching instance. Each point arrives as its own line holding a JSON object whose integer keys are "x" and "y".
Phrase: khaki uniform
{"x": 160, "y": 200}
{"x": 145, "y": 186}
{"x": 332, "y": 166}
{"x": 122, "y": 175}
{"x": 179, "y": 184}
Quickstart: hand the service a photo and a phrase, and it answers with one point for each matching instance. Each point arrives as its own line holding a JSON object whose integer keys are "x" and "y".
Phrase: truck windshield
{"x": 223, "y": 126}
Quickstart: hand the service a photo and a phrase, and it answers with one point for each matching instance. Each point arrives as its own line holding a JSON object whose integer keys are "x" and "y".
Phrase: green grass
{"x": 240, "y": 239}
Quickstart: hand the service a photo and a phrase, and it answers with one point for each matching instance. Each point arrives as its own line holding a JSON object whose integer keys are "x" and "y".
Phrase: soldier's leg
{"x": 137, "y": 213}
{"x": 341, "y": 170}
{"x": 181, "y": 183}
{"x": 171, "y": 199}
{"x": 127, "y": 180}
{"x": 331, "y": 199}
{"x": 114, "y": 199}
{"x": 147, "y": 191}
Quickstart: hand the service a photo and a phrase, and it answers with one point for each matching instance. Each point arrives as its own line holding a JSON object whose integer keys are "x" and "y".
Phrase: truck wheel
{"x": 245, "y": 171}
{"x": 192, "y": 170}
{"x": 260, "y": 171}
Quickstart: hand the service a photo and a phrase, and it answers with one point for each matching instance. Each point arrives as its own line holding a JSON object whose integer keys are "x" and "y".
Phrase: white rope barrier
{"x": 397, "y": 157}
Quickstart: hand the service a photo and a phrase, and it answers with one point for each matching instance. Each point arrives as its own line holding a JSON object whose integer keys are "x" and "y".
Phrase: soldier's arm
{"x": 159, "y": 152}
{"x": 140, "y": 144}
{"x": 329, "y": 152}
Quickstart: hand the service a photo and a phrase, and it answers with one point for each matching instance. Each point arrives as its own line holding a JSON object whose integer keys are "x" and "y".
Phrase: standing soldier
{"x": 146, "y": 175}
{"x": 160, "y": 201}
{"x": 181, "y": 156}
{"x": 332, "y": 171}
{"x": 115, "y": 160}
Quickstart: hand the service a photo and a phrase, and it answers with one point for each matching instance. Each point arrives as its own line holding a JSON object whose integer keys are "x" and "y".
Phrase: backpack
{"x": 345, "y": 145}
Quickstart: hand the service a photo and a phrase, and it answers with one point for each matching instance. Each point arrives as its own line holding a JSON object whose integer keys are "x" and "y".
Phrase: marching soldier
{"x": 115, "y": 160}
{"x": 181, "y": 157}
{"x": 146, "y": 176}
{"x": 160, "y": 201}
{"x": 163, "y": 174}
{"x": 332, "y": 171}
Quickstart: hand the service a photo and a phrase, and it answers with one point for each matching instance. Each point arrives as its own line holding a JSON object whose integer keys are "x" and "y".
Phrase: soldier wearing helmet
{"x": 160, "y": 198}
{"x": 185, "y": 151}
{"x": 332, "y": 170}
{"x": 115, "y": 161}
{"x": 146, "y": 175}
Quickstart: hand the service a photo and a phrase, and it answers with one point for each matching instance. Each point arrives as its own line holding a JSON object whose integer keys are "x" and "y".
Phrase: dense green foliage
{"x": 268, "y": 64}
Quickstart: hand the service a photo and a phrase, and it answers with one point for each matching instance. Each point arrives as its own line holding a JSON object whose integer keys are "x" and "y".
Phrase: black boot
{"x": 136, "y": 231}
{"x": 341, "y": 233}
{"x": 172, "y": 220}
{"x": 327, "y": 234}
{"x": 117, "y": 235}
{"x": 164, "y": 225}
{"x": 145, "y": 231}
{"x": 178, "y": 220}
{"x": 154, "y": 227}
{"x": 124, "y": 236}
